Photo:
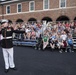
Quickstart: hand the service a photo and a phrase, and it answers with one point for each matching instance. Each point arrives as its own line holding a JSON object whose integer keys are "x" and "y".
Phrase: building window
{"x": 19, "y": 7}
{"x": 31, "y": 6}
{"x": 8, "y": 9}
{"x": 62, "y": 3}
{"x": 45, "y": 4}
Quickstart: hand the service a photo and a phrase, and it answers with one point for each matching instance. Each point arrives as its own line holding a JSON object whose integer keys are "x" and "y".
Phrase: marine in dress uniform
{"x": 7, "y": 45}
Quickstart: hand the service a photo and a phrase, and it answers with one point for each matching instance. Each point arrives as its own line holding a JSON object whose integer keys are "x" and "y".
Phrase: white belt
{"x": 7, "y": 37}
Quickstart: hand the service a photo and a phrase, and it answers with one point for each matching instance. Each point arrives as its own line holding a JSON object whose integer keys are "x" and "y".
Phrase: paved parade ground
{"x": 34, "y": 62}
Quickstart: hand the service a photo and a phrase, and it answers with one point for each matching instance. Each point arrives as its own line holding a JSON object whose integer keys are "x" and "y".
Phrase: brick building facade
{"x": 38, "y": 10}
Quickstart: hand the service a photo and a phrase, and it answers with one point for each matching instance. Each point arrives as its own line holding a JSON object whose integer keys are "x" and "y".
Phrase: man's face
{"x": 5, "y": 24}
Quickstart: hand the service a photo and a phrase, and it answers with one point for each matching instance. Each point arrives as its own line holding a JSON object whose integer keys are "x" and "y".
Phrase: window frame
{"x": 44, "y": 5}
{"x": 18, "y": 8}
{"x": 7, "y": 9}
{"x": 30, "y": 6}
{"x": 60, "y": 4}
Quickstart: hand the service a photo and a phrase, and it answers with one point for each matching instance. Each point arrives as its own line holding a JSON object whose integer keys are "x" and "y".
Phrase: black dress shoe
{"x": 14, "y": 68}
{"x": 6, "y": 70}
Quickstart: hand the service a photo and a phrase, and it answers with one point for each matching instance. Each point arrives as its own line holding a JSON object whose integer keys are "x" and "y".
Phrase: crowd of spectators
{"x": 55, "y": 34}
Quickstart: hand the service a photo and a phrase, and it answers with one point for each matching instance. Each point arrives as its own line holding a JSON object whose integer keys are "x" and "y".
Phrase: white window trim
{"x": 29, "y": 6}
{"x": 6, "y": 9}
{"x": 38, "y": 11}
{"x": 17, "y": 7}
{"x": 44, "y": 4}
{"x": 60, "y": 4}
